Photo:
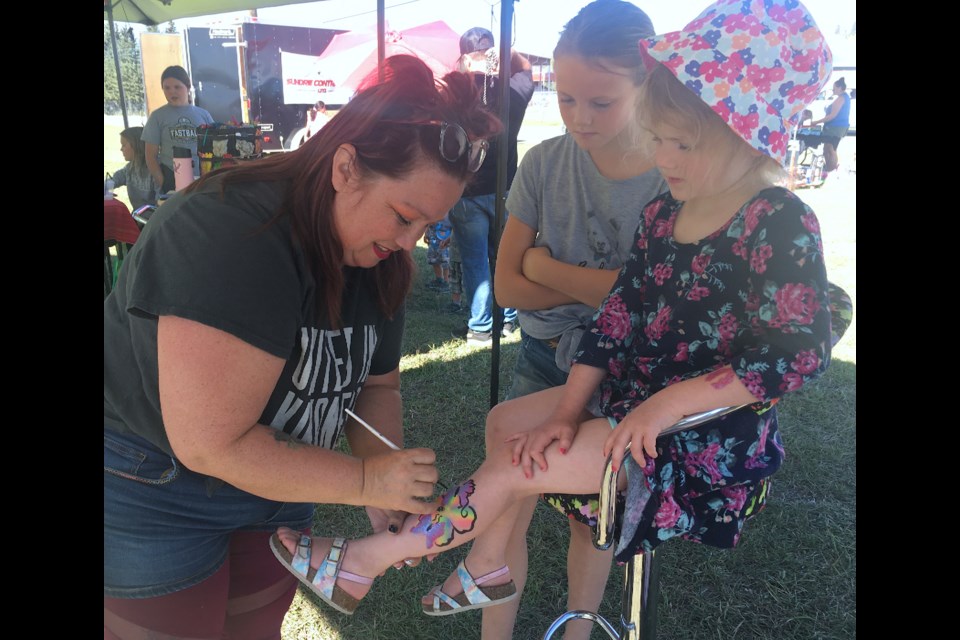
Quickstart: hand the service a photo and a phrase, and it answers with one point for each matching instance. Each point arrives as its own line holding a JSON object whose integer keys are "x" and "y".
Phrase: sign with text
{"x": 305, "y": 79}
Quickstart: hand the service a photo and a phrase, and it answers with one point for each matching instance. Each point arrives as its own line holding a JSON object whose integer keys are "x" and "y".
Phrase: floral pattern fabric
{"x": 754, "y": 295}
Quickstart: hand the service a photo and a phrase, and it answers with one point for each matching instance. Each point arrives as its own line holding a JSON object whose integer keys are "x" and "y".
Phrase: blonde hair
{"x": 664, "y": 100}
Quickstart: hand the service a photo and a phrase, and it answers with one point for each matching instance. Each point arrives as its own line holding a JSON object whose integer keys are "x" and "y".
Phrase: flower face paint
{"x": 453, "y": 515}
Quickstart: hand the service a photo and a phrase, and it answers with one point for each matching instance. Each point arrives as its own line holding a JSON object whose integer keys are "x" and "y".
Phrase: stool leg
{"x": 641, "y": 591}
{"x": 581, "y": 615}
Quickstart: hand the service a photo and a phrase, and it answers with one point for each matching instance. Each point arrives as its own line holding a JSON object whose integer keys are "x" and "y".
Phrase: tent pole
{"x": 116, "y": 63}
{"x": 381, "y": 37}
{"x": 503, "y": 161}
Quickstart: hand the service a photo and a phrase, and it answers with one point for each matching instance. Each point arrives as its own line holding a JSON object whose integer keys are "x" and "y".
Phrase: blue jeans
{"x": 474, "y": 219}
{"x": 166, "y": 528}
{"x": 536, "y": 368}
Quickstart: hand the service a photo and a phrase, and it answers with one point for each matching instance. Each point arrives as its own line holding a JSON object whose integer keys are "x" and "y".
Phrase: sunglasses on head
{"x": 454, "y": 143}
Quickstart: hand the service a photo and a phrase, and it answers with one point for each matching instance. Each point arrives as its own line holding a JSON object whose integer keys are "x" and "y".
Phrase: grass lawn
{"x": 793, "y": 575}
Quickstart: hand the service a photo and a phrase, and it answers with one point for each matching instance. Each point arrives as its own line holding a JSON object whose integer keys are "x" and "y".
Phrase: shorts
{"x": 436, "y": 255}
{"x": 833, "y": 135}
{"x": 584, "y": 507}
{"x": 166, "y": 528}
{"x": 456, "y": 277}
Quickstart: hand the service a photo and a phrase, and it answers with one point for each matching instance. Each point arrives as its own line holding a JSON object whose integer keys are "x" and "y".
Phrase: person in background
{"x": 135, "y": 176}
{"x": 574, "y": 207}
{"x": 173, "y": 125}
{"x": 835, "y": 123}
{"x": 316, "y": 118}
{"x": 437, "y": 238}
{"x": 474, "y": 216}
{"x": 455, "y": 305}
{"x": 725, "y": 238}
{"x": 259, "y": 304}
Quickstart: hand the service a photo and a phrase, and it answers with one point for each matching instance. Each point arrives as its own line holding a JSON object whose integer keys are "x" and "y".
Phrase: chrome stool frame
{"x": 638, "y": 609}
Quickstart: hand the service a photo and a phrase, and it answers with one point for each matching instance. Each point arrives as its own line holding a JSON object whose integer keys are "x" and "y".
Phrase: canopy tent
{"x": 153, "y": 12}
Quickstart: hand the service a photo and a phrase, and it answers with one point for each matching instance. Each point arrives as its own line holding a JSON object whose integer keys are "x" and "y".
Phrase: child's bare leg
{"x": 473, "y": 507}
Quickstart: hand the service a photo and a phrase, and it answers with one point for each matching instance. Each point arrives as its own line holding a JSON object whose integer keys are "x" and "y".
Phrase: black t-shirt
{"x": 213, "y": 260}
{"x": 521, "y": 91}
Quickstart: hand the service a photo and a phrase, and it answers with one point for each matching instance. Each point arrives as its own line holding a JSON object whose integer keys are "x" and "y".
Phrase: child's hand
{"x": 639, "y": 431}
{"x": 530, "y": 446}
{"x": 534, "y": 260}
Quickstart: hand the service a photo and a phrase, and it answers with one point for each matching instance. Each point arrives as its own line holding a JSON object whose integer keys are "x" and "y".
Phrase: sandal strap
{"x": 470, "y": 587}
{"x": 493, "y": 574}
{"x": 301, "y": 559}
{"x": 326, "y": 576}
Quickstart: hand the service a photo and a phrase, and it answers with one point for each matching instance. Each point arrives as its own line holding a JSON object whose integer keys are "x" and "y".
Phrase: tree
{"x": 128, "y": 50}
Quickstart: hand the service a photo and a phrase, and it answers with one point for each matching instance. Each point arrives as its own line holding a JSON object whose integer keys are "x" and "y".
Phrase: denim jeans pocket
{"x": 126, "y": 459}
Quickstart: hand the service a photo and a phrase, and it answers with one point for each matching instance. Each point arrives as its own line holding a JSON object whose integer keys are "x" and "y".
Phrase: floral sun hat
{"x": 756, "y": 63}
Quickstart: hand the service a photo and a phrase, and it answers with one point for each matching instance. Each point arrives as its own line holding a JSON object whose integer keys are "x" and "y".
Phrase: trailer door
{"x": 213, "y": 55}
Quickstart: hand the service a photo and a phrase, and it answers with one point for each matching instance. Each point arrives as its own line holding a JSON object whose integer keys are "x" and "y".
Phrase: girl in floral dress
{"x": 723, "y": 302}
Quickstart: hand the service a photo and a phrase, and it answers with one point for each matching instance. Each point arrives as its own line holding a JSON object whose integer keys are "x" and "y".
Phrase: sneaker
{"x": 480, "y": 338}
{"x": 454, "y": 308}
{"x": 508, "y": 328}
{"x": 435, "y": 284}
{"x": 443, "y": 286}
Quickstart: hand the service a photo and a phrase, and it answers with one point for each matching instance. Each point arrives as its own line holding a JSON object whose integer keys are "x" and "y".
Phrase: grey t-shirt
{"x": 171, "y": 127}
{"x": 584, "y": 219}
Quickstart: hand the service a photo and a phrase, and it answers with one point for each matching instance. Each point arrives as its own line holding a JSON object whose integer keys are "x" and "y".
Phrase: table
{"x": 119, "y": 230}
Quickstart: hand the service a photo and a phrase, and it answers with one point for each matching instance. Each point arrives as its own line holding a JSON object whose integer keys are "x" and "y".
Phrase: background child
{"x": 135, "y": 175}
{"x": 574, "y": 207}
{"x": 437, "y": 237}
{"x": 456, "y": 277}
{"x": 173, "y": 125}
{"x": 723, "y": 302}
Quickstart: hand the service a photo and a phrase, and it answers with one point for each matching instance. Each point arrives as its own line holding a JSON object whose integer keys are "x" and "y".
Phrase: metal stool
{"x": 638, "y": 609}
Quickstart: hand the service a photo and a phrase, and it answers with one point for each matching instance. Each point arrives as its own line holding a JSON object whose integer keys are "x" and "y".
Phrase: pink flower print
{"x": 660, "y": 324}
{"x": 650, "y": 213}
{"x": 733, "y": 67}
{"x": 778, "y": 142}
{"x": 810, "y": 222}
{"x": 763, "y": 77}
{"x": 721, "y": 89}
{"x": 661, "y": 228}
{"x": 796, "y": 304}
{"x": 739, "y": 22}
{"x": 697, "y": 292}
{"x": 711, "y": 70}
{"x": 736, "y": 497}
{"x": 704, "y": 462}
{"x": 661, "y": 272}
{"x": 759, "y": 257}
{"x": 728, "y": 326}
{"x": 669, "y": 512}
{"x": 614, "y": 320}
{"x": 739, "y": 247}
{"x": 700, "y": 263}
{"x": 683, "y": 352}
{"x": 700, "y": 43}
{"x": 642, "y": 365}
{"x": 752, "y": 215}
{"x": 740, "y": 41}
{"x": 674, "y": 62}
{"x": 753, "y": 301}
{"x": 806, "y": 363}
{"x": 745, "y": 125}
{"x": 721, "y": 108}
{"x": 754, "y": 383}
{"x": 791, "y": 382}
{"x": 615, "y": 367}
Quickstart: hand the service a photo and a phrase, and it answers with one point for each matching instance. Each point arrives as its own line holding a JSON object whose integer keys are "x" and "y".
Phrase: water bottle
{"x": 182, "y": 167}
{"x": 108, "y": 185}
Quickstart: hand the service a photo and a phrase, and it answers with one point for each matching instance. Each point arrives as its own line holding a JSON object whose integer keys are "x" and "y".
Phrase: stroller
{"x": 805, "y": 157}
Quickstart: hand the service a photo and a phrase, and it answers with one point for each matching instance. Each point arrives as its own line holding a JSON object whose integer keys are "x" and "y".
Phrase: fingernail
{"x": 563, "y": 451}
{"x": 526, "y": 475}
{"x": 408, "y": 562}
{"x": 393, "y": 528}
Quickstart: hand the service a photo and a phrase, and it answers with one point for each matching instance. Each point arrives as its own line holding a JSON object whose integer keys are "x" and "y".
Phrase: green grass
{"x": 793, "y": 576}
